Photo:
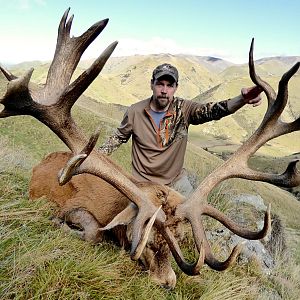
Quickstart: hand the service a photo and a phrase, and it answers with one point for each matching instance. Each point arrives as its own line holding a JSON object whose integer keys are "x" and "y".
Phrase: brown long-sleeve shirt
{"x": 158, "y": 152}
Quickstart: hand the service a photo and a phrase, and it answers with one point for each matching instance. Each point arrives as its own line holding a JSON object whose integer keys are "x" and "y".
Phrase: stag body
{"x": 91, "y": 203}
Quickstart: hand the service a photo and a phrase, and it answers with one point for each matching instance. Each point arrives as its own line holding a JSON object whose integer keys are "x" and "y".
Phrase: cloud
{"x": 25, "y": 48}
{"x": 23, "y": 4}
{"x": 43, "y": 47}
{"x": 157, "y": 45}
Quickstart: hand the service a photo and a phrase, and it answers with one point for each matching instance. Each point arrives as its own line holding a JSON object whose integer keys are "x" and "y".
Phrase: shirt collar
{"x": 170, "y": 110}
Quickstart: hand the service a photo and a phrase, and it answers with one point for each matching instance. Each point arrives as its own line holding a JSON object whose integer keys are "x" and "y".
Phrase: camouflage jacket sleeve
{"x": 201, "y": 113}
{"x": 122, "y": 135}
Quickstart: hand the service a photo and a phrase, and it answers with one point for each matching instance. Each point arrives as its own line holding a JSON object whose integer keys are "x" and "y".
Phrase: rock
{"x": 263, "y": 251}
{"x": 254, "y": 200}
{"x": 254, "y": 249}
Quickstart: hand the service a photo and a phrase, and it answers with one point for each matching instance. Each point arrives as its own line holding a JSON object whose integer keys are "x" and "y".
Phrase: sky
{"x": 219, "y": 28}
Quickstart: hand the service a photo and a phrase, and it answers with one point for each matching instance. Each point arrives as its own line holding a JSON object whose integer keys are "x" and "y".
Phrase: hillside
{"x": 127, "y": 80}
{"x": 41, "y": 261}
{"x": 213, "y": 64}
{"x": 36, "y": 256}
{"x": 232, "y": 130}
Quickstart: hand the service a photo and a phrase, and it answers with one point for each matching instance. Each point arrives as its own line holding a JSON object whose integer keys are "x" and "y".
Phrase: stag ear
{"x": 122, "y": 218}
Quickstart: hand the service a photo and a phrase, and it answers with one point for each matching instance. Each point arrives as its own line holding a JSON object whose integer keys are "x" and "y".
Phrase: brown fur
{"x": 89, "y": 202}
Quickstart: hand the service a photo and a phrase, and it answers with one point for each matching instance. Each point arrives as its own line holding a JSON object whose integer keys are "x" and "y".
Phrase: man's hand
{"x": 251, "y": 95}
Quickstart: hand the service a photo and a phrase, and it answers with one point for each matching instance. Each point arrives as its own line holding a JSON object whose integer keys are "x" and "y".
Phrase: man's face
{"x": 163, "y": 92}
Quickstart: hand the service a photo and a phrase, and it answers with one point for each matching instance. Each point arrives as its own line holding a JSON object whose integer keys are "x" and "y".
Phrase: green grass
{"x": 40, "y": 261}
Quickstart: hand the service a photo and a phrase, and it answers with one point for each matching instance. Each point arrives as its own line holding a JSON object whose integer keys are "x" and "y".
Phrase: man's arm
{"x": 201, "y": 113}
{"x": 112, "y": 144}
{"x": 249, "y": 95}
{"x": 122, "y": 135}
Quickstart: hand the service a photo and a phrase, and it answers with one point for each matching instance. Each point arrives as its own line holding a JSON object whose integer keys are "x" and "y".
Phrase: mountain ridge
{"x": 126, "y": 80}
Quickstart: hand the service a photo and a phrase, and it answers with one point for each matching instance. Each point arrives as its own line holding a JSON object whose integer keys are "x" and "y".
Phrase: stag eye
{"x": 161, "y": 196}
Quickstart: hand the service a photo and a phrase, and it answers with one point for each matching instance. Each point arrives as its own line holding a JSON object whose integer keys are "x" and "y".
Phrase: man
{"x": 159, "y": 128}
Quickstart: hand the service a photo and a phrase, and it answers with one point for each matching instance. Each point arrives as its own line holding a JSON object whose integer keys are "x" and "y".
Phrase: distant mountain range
{"x": 126, "y": 80}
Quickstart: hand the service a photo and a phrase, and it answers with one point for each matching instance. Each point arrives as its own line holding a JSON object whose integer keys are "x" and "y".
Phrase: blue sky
{"x": 28, "y": 28}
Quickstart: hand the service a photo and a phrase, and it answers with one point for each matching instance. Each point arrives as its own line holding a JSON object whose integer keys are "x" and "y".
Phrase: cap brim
{"x": 165, "y": 73}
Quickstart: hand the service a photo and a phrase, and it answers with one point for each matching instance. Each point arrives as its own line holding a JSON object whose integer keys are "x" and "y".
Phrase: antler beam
{"x": 237, "y": 167}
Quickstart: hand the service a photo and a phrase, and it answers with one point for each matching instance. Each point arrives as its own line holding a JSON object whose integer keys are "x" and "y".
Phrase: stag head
{"x": 51, "y": 104}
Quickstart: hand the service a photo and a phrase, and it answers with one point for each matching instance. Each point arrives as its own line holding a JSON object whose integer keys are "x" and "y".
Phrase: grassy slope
{"x": 40, "y": 261}
{"x": 126, "y": 81}
{"x": 238, "y": 126}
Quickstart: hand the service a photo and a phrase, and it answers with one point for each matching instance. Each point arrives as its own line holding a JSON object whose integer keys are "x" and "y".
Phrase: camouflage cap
{"x": 165, "y": 69}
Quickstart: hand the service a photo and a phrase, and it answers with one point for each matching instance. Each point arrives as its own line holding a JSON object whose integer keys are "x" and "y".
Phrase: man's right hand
{"x": 252, "y": 95}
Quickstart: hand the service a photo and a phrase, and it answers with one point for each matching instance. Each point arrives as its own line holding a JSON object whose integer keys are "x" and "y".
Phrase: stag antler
{"x": 51, "y": 104}
{"x": 236, "y": 167}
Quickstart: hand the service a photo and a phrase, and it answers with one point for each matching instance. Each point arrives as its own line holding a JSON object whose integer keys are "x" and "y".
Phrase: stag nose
{"x": 167, "y": 281}
{"x": 170, "y": 280}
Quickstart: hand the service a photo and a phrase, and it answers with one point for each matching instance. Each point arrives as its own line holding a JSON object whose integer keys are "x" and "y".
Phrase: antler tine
{"x": 72, "y": 167}
{"x": 274, "y": 111}
{"x": 69, "y": 24}
{"x": 237, "y": 229}
{"x": 269, "y": 91}
{"x": 282, "y": 95}
{"x": 187, "y": 268}
{"x": 291, "y": 177}
{"x": 217, "y": 265}
{"x": 7, "y": 74}
{"x": 17, "y": 96}
{"x": 203, "y": 245}
{"x": 67, "y": 54}
{"x": 91, "y": 143}
{"x": 295, "y": 125}
{"x": 288, "y": 179}
{"x": 289, "y": 74}
{"x": 77, "y": 87}
{"x": 62, "y": 28}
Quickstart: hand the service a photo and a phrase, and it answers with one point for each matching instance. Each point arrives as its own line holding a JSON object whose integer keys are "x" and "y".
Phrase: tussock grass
{"x": 40, "y": 261}
{"x": 286, "y": 277}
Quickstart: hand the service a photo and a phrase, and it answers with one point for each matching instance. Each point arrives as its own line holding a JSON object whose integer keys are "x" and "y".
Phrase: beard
{"x": 162, "y": 102}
